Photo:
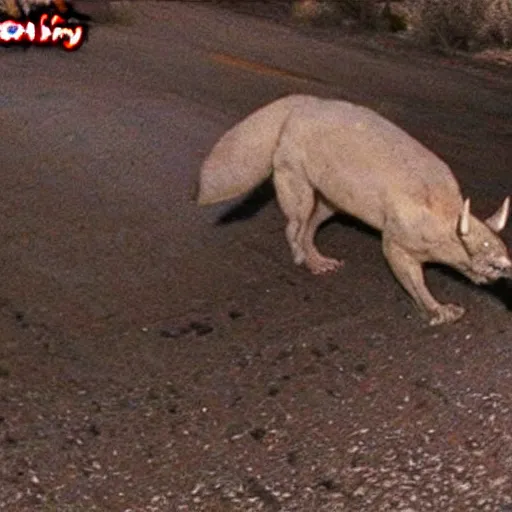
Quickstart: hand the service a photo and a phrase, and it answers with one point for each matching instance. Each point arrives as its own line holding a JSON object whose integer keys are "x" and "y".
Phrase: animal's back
{"x": 366, "y": 165}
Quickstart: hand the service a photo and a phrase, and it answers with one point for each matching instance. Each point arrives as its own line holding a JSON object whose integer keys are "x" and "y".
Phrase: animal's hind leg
{"x": 297, "y": 199}
{"x": 315, "y": 261}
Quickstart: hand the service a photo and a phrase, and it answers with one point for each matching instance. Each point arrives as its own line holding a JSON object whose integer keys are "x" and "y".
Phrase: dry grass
{"x": 115, "y": 12}
{"x": 453, "y": 24}
{"x": 323, "y": 11}
{"x": 465, "y": 24}
{"x": 119, "y": 12}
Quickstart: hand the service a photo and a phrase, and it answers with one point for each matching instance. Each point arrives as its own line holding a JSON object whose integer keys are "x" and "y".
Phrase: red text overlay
{"x": 49, "y": 29}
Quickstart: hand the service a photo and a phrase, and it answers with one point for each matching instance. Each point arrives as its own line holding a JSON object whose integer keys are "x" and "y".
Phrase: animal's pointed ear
{"x": 498, "y": 221}
{"x": 464, "y": 218}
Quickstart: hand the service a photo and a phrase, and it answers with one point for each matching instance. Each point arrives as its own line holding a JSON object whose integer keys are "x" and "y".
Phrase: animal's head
{"x": 488, "y": 256}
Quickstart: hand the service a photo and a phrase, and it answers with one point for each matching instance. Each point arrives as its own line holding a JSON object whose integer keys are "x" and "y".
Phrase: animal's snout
{"x": 503, "y": 265}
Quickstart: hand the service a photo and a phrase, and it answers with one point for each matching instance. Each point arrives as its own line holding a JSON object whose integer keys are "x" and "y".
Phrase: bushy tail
{"x": 242, "y": 158}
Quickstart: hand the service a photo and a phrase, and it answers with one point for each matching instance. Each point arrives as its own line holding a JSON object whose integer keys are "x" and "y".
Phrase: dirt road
{"x": 152, "y": 359}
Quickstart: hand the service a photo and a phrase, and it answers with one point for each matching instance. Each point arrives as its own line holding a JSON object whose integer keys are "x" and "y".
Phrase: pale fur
{"x": 329, "y": 155}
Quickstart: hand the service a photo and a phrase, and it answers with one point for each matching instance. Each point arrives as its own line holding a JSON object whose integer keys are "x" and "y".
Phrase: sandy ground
{"x": 153, "y": 359}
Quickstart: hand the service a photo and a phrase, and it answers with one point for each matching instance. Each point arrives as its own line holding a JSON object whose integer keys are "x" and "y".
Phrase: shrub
{"x": 459, "y": 24}
{"x": 365, "y": 11}
{"x": 369, "y": 13}
{"x": 465, "y": 24}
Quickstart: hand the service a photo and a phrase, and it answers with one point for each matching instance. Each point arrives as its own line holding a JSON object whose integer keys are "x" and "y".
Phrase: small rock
{"x": 172, "y": 332}
{"x": 498, "y": 482}
{"x": 258, "y": 433}
{"x": 360, "y": 367}
{"x": 273, "y": 390}
{"x": 292, "y": 458}
{"x": 328, "y": 484}
{"x": 201, "y": 328}
{"x": 360, "y": 491}
{"x": 197, "y": 489}
{"x": 94, "y": 430}
{"x": 317, "y": 352}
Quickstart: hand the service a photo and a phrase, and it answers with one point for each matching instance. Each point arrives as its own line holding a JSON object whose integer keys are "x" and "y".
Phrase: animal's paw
{"x": 447, "y": 314}
{"x": 319, "y": 264}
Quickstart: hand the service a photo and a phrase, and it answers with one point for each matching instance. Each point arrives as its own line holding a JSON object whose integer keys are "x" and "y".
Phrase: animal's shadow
{"x": 250, "y": 205}
{"x": 501, "y": 289}
{"x": 262, "y": 195}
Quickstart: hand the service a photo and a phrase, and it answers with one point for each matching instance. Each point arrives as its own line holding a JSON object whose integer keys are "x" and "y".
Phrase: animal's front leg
{"x": 409, "y": 273}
